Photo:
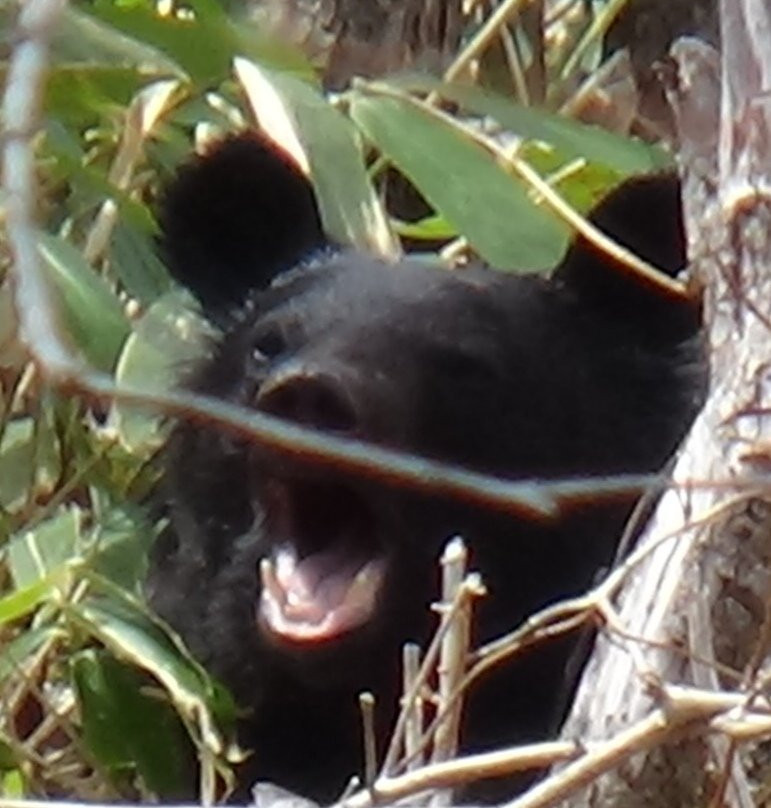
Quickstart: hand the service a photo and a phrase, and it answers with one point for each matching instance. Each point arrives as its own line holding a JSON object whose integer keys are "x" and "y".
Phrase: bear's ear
{"x": 645, "y": 215}
{"x": 234, "y": 218}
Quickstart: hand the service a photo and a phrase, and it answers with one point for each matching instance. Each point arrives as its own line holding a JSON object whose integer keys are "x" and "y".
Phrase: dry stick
{"x": 514, "y": 62}
{"x": 471, "y": 588}
{"x": 37, "y": 20}
{"x": 426, "y": 667}
{"x": 600, "y": 24}
{"x": 568, "y": 615}
{"x": 483, "y": 38}
{"x": 553, "y": 620}
{"x": 683, "y": 708}
{"x": 454, "y": 650}
{"x": 367, "y": 706}
{"x": 141, "y": 116}
{"x": 511, "y": 648}
{"x": 451, "y": 773}
{"x": 453, "y": 656}
{"x": 414, "y": 710}
{"x": 557, "y": 11}
{"x": 21, "y": 112}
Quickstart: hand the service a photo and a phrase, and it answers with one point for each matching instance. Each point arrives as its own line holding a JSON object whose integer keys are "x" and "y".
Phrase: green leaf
{"x": 116, "y": 547}
{"x": 80, "y": 94}
{"x": 350, "y": 209}
{"x": 201, "y": 50}
{"x": 464, "y": 183}
{"x": 29, "y": 460}
{"x": 124, "y": 728}
{"x": 164, "y": 344}
{"x": 431, "y": 228}
{"x": 129, "y": 632}
{"x": 91, "y": 311}
{"x": 202, "y": 45}
{"x": 12, "y": 784}
{"x": 23, "y": 601}
{"x": 88, "y": 185}
{"x": 88, "y": 36}
{"x": 38, "y": 553}
{"x": 136, "y": 262}
{"x": 118, "y": 544}
{"x": 572, "y": 138}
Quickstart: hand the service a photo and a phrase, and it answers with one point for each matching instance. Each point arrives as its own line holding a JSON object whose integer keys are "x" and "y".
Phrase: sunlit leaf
{"x": 36, "y": 554}
{"x": 162, "y": 348}
{"x": 431, "y": 227}
{"x": 23, "y": 601}
{"x": 464, "y": 183}
{"x": 296, "y": 115}
{"x": 573, "y": 138}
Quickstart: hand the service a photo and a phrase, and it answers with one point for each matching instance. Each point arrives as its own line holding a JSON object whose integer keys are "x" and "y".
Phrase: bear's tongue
{"x": 318, "y": 597}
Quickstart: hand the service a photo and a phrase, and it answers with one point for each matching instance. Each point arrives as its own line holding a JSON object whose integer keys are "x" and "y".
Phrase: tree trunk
{"x": 367, "y": 37}
{"x": 673, "y": 707}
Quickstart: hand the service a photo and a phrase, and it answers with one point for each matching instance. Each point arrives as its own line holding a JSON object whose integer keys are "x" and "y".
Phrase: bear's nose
{"x": 308, "y": 397}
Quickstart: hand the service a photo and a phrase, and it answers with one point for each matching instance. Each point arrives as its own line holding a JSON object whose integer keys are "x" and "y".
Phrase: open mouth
{"x": 324, "y": 574}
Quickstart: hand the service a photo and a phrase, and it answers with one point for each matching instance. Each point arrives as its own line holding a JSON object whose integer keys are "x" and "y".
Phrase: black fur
{"x": 586, "y": 373}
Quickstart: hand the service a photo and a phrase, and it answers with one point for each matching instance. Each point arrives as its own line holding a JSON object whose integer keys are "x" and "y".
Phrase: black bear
{"x": 298, "y": 587}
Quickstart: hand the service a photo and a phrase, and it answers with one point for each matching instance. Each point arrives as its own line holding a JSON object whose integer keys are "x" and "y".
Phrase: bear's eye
{"x": 268, "y": 346}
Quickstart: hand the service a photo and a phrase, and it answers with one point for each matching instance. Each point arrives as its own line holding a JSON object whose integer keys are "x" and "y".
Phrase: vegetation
{"x": 99, "y": 700}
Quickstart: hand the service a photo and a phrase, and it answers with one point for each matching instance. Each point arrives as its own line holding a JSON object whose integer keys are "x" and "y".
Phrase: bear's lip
{"x": 324, "y": 572}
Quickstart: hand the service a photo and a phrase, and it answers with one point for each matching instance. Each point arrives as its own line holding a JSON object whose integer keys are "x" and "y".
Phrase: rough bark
{"x": 353, "y": 37}
{"x": 645, "y": 29}
{"x": 696, "y": 609}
